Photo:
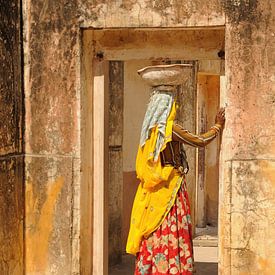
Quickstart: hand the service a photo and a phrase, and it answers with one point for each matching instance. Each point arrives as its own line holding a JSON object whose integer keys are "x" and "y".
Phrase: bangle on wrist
{"x": 216, "y": 128}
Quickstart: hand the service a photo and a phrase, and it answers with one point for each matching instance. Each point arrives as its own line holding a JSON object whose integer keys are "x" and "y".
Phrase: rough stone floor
{"x": 205, "y": 254}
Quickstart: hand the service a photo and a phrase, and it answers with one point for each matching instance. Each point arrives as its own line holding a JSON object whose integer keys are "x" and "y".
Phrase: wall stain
{"x": 267, "y": 171}
{"x": 266, "y": 265}
{"x": 40, "y": 227}
{"x": 239, "y": 11}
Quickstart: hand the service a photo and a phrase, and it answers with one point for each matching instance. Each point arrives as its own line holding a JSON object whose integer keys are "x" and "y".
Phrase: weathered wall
{"x": 52, "y": 87}
{"x": 147, "y": 13}
{"x": 248, "y": 153}
{"x": 51, "y": 32}
{"x": 11, "y": 141}
{"x": 51, "y": 52}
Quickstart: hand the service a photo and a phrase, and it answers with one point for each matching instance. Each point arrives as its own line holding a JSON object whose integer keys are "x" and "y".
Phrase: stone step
{"x": 205, "y": 242}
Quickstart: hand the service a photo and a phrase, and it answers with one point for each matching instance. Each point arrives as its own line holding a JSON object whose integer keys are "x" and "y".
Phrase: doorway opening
{"x": 114, "y": 104}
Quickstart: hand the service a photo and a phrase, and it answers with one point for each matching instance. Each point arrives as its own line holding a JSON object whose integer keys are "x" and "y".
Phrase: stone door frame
{"x": 94, "y": 149}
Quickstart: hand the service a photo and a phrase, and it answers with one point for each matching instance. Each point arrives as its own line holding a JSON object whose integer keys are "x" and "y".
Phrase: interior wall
{"x": 212, "y": 153}
{"x": 201, "y": 128}
{"x": 208, "y": 163}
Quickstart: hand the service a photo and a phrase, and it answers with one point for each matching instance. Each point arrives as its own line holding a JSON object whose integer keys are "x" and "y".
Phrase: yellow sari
{"x": 157, "y": 189}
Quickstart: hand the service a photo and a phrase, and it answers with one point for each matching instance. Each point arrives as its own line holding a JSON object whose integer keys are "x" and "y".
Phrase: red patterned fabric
{"x": 169, "y": 250}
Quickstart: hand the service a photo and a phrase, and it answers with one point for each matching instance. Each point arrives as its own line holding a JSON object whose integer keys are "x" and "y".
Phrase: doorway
{"x": 115, "y": 104}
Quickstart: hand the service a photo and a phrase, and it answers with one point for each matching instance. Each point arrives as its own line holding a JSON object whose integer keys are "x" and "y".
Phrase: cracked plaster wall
{"x": 147, "y": 13}
{"x": 51, "y": 52}
{"x": 52, "y": 40}
{"x": 247, "y": 199}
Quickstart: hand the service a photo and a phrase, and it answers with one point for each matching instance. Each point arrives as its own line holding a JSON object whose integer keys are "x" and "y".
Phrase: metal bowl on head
{"x": 167, "y": 75}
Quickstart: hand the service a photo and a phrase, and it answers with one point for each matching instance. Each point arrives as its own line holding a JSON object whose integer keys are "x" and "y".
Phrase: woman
{"x": 160, "y": 231}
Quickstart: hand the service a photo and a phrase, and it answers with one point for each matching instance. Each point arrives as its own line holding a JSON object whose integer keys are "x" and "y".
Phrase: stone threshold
{"x": 206, "y": 237}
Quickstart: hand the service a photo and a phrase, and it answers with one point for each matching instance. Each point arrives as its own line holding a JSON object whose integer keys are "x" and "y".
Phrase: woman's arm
{"x": 183, "y": 135}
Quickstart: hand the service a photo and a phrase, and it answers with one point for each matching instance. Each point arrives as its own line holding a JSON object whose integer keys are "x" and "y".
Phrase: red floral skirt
{"x": 169, "y": 249}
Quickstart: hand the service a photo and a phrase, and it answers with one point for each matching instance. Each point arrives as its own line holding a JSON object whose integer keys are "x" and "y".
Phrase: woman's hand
{"x": 220, "y": 117}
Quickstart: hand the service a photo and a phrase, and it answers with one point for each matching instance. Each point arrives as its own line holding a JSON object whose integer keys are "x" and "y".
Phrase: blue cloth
{"x": 157, "y": 112}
